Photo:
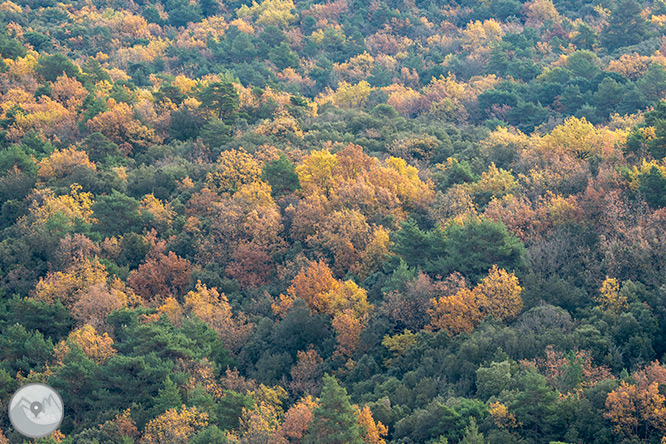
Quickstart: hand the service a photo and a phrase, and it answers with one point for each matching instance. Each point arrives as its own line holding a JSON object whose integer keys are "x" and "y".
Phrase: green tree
{"x": 626, "y": 26}
{"x": 116, "y": 214}
{"x": 334, "y": 420}
{"x": 168, "y": 397}
{"x": 653, "y": 187}
{"x": 472, "y": 434}
{"x": 281, "y": 176}
{"x": 534, "y": 407}
{"x": 220, "y": 97}
{"x": 52, "y": 67}
{"x": 472, "y": 249}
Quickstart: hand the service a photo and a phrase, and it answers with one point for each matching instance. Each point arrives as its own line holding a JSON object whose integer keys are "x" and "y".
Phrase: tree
{"x": 280, "y": 175}
{"x": 97, "y": 347}
{"x": 334, "y": 420}
{"x": 348, "y": 328}
{"x": 373, "y": 432}
{"x": 117, "y": 214}
{"x": 501, "y": 291}
{"x": 161, "y": 276}
{"x": 639, "y": 410}
{"x": 221, "y": 98}
{"x": 313, "y": 284}
{"x": 174, "y": 426}
{"x": 458, "y": 313}
{"x": 70, "y": 285}
{"x": 472, "y": 248}
{"x": 626, "y": 26}
{"x": 610, "y": 298}
{"x": 213, "y": 308}
{"x": 233, "y": 169}
{"x": 50, "y": 67}
{"x": 306, "y": 373}
{"x": 297, "y": 420}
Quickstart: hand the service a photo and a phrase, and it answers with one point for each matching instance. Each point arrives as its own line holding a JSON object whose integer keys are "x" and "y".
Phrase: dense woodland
{"x": 379, "y": 222}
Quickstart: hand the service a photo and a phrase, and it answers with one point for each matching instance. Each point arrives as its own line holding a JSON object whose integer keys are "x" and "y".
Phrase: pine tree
{"x": 472, "y": 434}
{"x": 334, "y": 420}
{"x": 168, "y": 397}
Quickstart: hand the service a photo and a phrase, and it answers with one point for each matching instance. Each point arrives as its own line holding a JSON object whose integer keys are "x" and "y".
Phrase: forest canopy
{"x": 308, "y": 222}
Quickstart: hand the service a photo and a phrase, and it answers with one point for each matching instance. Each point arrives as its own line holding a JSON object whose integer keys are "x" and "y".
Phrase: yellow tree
{"x": 610, "y": 298}
{"x": 315, "y": 173}
{"x": 501, "y": 294}
{"x": 68, "y": 286}
{"x": 97, "y": 347}
{"x": 73, "y": 206}
{"x": 233, "y": 169}
{"x": 458, "y": 313}
{"x": 174, "y": 426}
{"x": 63, "y": 163}
{"x": 350, "y": 96}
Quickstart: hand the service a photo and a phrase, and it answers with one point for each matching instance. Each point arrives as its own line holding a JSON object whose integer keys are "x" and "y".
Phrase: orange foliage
{"x": 314, "y": 284}
{"x": 458, "y": 313}
{"x": 373, "y": 432}
{"x": 348, "y": 328}
{"x": 68, "y": 91}
{"x": 296, "y": 420}
{"x": 160, "y": 277}
{"x": 63, "y": 163}
{"x": 497, "y": 294}
{"x": 639, "y": 409}
{"x": 120, "y": 126}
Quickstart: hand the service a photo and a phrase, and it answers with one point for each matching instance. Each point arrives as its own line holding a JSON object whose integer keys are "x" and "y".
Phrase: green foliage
{"x": 471, "y": 248}
{"x": 221, "y": 98}
{"x": 333, "y": 420}
{"x": 281, "y": 176}
{"x": 54, "y": 66}
{"x": 117, "y": 213}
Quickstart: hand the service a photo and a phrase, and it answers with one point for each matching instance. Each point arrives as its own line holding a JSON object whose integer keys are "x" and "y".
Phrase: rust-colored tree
{"x": 160, "y": 277}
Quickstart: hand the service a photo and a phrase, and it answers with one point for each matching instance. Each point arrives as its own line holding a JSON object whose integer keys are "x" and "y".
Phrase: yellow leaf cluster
{"x": 501, "y": 416}
{"x": 399, "y": 343}
{"x": 498, "y": 294}
{"x": 73, "y": 206}
{"x": 347, "y": 96}
{"x": 610, "y": 298}
{"x": 269, "y": 12}
{"x": 282, "y": 127}
{"x": 163, "y": 213}
{"x": 63, "y": 163}
{"x": 67, "y": 286}
{"x": 97, "y": 347}
{"x": 174, "y": 426}
{"x": 233, "y": 169}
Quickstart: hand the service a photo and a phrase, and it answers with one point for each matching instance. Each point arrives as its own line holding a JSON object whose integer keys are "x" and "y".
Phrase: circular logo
{"x": 36, "y": 410}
